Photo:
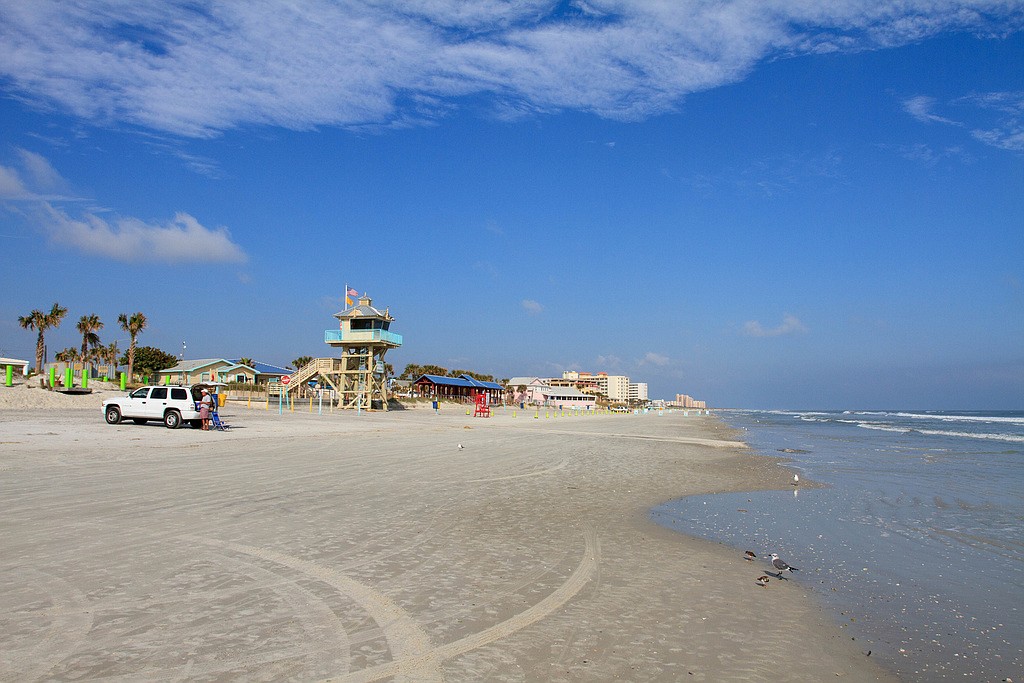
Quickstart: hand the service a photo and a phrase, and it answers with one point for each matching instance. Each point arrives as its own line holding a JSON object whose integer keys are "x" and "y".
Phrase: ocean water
{"x": 916, "y": 543}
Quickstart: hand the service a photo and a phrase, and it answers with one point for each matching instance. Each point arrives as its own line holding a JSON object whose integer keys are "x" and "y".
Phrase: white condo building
{"x": 637, "y": 391}
{"x": 615, "y": 387}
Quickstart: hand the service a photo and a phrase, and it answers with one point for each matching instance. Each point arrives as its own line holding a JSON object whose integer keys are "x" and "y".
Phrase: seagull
{"x": 460, "y": 446}
{"x": 781, "y": 566}
{"x": 796, "y": 480}
{"x": 763, "y": 580}
{"x": 749, "y": 556}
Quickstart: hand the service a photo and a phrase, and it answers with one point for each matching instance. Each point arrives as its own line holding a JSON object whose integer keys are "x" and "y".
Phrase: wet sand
{"x": 363, "y": 548}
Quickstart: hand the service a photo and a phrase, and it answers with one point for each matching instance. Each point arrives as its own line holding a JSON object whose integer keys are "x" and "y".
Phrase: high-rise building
{"x": 614, "y": 387}
{"x": 637, "y": 391}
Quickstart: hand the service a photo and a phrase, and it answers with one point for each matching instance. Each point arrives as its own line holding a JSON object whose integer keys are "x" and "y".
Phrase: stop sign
{"x": 285, "y": 379}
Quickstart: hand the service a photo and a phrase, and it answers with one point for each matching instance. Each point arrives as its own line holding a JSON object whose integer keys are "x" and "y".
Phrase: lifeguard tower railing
{"x": 357, "y": 336}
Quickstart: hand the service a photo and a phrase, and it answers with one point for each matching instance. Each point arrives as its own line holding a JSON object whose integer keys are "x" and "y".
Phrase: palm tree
{"x": 245, "y": 361}
{"x": 67, "y": 355}
{"x": 87, "y": 326}
{"x": 110, "y": 355}
{"x": 37, "y": 320}
{"x": 133, "y": 325}
{"x": 301, "y": 361}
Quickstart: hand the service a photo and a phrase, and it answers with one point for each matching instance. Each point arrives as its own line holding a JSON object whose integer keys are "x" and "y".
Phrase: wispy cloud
{"x": 656, "y": 359}
{"x": 610, "y": 362}
{"x": 198, "y": 68}
{"x": 37, "y": 186}
{"x": 33, "y": 179}
{"x": 181, "y": 240}
{"x": 997, "y": 118}
{"x": 790, "y": 325}
{"x": 922, "y": 107}
{"x": 1008, "y": 131}
{"x": 532, "y": 307}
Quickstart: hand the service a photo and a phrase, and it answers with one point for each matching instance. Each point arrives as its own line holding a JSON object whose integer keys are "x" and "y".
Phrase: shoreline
{"x": 528, "y": 554}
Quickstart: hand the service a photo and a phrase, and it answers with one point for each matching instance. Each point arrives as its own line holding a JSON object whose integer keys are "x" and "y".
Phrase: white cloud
{"x": 790, "y": 325}
{"x": 1004, "y": 112}
{"x": 198, "y": 68}
{"x": 43, "y": 175}
{"x": 11, "y": 185}
{"x": 921, "y": 108}
{"x": 181, "y": 240}
{"x": 532, "y": 307}
{"x": 651, "y": 358}
{"x": 33, "y": 180}
{"x": 1007, "y": 132}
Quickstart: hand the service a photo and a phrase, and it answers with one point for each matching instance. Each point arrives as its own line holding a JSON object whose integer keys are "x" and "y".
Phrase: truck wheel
{"x": 113, "y": 415}
{"x": 172, "y": 419}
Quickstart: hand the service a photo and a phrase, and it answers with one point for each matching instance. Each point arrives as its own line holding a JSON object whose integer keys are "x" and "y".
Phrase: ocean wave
{"x": 882, "y": 427}
{"x": 1012, "y": 438}
{"x": 947, "y": 417}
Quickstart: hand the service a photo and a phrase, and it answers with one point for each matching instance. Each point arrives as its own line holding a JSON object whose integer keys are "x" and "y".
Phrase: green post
{"x": 145, "y": 379}
{"x": 69, "y": 377}
{"x": 85, "y": 376}
{"x": 123, "y": 381}
{"x": 10, "y": 375}
{"x": 53, "y": 376}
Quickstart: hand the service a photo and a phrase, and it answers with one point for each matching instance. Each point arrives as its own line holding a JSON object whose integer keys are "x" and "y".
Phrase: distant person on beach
{"x": 205, "y": 406}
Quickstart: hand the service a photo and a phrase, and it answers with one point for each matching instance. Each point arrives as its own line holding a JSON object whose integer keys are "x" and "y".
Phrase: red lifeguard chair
{"x": 480, "y": 405}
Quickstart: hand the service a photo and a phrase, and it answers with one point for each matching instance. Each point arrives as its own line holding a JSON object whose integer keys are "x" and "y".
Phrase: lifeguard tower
{"x": 358, "y": 376}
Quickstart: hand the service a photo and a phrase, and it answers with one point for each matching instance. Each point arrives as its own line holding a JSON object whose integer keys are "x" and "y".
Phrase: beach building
{"x": 637, "y": 392}
{"x": 613, "y": 387}
{"x": 458, "y": 388}
{"x": 358, "y": 378}
{"x": 567, "y": 397}
{"x": 685, "y": 401}
{"x": 21, "y": 365}
{"x": 265, "y": 372}
{"x": 525, "y": 389}
{"x": 207, "y": 370}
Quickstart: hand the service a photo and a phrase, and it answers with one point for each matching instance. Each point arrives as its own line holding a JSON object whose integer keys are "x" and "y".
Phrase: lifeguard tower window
{"x": 369, "y": 325}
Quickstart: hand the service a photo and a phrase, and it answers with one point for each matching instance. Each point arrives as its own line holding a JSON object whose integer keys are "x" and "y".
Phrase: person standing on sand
{"x": 205, "y": 406}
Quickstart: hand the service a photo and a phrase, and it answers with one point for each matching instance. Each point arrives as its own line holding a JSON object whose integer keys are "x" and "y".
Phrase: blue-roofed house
{"x": 207, "y": 370}
{"x": 265, "y": 372}
{"x": 458, "y": 388}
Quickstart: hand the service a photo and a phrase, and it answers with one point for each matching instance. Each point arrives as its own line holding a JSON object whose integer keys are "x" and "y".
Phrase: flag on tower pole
{"x": 349, "y": 292}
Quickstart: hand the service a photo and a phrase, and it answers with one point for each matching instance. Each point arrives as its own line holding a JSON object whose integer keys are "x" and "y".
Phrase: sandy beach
{"x": 372, "y": 547}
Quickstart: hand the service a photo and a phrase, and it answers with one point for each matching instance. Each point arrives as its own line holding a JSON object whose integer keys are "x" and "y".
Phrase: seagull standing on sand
{"x": 763, "y": 580}
{"x": 781, "y": 566}
{"x": 796, "y": 480}
{"x": 460, "y": 446}
{"x": 749, "y": 556}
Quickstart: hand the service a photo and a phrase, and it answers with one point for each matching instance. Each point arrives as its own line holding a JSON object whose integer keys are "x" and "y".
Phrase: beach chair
{"x": 216, "y": 422}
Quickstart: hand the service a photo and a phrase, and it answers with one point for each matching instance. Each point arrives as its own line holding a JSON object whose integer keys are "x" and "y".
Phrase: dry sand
{"x": 363, "y": 548}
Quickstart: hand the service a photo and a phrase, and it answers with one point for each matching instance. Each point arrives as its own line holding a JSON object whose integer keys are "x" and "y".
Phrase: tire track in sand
{"x": 561, "y": 595}
{"x": 406, "y": 640}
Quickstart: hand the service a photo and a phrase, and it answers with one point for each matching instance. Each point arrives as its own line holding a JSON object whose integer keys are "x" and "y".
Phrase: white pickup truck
{"x": 169, "y": 404}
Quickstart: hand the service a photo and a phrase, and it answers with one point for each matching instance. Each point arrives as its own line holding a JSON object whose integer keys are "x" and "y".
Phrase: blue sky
{"x": 771, "y": 204}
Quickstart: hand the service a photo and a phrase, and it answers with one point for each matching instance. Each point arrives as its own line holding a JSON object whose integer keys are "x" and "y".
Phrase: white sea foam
{"x": 948, "y": 417}
{"x": 1012, "y": 438}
